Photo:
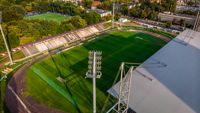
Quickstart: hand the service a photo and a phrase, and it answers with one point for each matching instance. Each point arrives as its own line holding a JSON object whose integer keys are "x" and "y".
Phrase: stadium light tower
{"x": 94, "y": 71}
{"x": 122, "y": 104}
{"x": 4, "y": 39}
{"x": 113, "y": 14}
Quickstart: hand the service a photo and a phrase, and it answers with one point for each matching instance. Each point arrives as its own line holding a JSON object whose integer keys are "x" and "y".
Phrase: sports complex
{"x": 85, "y": 56}
{"x": 54, "y": 79}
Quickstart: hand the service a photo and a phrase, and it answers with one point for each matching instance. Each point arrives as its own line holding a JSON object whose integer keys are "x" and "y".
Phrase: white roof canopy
{"x": 169, "y": 81}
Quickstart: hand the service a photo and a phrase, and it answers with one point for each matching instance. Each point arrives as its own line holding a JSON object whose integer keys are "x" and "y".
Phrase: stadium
{"x": 85, "y": 56}
{"x": 102, "y": 56}
{"x": 54, "y": 81}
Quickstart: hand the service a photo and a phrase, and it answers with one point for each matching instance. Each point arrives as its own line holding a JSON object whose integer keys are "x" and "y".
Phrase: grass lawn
{"x": 166, "y": 34}
{"x": 75, "y": 94}
{"x": 49, "y": 16}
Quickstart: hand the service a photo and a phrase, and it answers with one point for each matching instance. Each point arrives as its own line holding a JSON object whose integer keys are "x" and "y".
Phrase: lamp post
{"x": 113, "y": 14}
{"x": 94, "y": 71}
{"x": 4, "y": 39}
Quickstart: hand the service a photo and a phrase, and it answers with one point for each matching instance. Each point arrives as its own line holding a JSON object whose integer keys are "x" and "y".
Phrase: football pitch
{"x": 49, "y": 16}
{"x": 59, "y": 80}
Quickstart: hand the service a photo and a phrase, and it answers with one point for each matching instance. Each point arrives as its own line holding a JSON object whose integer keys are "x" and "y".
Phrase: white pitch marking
{"x": 139, "y": 38}
{"x": 22, "y": 103}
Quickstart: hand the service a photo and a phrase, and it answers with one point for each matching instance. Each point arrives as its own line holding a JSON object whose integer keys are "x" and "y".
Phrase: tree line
{"x": 145, "y": 9}
{"x": 20, "y": 31}
{"x": 149, "y": 10}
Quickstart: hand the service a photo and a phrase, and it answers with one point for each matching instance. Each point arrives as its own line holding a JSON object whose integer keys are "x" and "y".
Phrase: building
{"x": 169, "y": 81}
{"x": 184, "y": 2}
{"x": 74, "y": 1}
{"x": 186, "y": 8}
{"x": 95, "y": 4}
{"x": 152, "y": 1}
{"x": 102, "y": 13}
{"x": 123, "y": 20}
{"x": 170, "y": 17}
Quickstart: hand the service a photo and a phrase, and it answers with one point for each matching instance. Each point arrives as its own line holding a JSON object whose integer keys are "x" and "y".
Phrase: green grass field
{"x": 166, "y": 34}
{"x": 49, "y": 16}
{"x": 75, "y": 94}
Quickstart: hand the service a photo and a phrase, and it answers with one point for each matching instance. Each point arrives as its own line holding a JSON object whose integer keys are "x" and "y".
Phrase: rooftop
{"x": 169, "y": 81}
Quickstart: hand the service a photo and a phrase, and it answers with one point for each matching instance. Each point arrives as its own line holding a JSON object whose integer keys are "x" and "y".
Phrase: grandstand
{"x": 65, "y": 39}
{"x": 169, "y": 81}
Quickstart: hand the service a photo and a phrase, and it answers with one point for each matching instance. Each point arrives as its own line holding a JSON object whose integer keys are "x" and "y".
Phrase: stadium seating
{"x": 41, "y": 46}
{"x": 29, "y": 50}
{"x": 64, "y": 39}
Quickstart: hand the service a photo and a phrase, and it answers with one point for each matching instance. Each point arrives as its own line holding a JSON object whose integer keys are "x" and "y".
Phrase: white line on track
{"x": 22, "y": 103}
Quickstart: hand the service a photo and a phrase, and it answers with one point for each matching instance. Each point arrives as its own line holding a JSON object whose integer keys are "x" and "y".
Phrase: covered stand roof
{"x": 169, "y": 81}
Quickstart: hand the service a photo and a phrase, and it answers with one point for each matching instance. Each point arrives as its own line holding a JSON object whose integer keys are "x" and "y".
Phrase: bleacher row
{"x": 60, "y": 40}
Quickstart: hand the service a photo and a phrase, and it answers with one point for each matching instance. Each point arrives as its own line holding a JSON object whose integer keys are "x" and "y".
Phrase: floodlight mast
{"x": 122, "y": 104}
{"x": 94, "y": 82}
{"x": 94, "y": 71}
{"x": 4, "y": 39}
{"x": 113, "y": 14}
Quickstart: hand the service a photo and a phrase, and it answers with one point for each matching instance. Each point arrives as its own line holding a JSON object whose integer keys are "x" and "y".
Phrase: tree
{"x": 153, "y": 15}
{"x": 106, "y": 5}
{"x": 168, "y": 24}
{"x": 13, "y": 39}
{"x": 91, "y": 17}
{"x": 124, "y": 9}
{"x": 5, "y": 2}
{"x": 14, "y": 12}
{"x": 190, "y": 3}
{"x": 77, "y": 22}
{"x": 19, "y": 1}
{"x": 33, "y": 30}
{"x": 49, "y": 28}
{"x": 87, "y": 3}
{"x": 144, "y": 13}
{"x": 123, "y": 1}
{"x": 2, "y": 47}
{"x": 65, "y": 8}
{"x": 135, "y": 12}
{"x": 182, "y": 23}
{"x": 117, "y": 16}
{"x": 42, "y": 6}
{"x": 107, "y": 18}
{"x": 174, "y": 21}
{"x": 169, "y": 5}
{"x": 11, "y": 34}
{"x": 66, "y": 26}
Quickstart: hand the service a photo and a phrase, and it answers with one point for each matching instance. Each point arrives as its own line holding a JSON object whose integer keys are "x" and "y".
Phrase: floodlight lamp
{"x": 99, "y": 53}
{"x": 90, "y": 57}
{"x": 90, "y": 62}
{"x": 98, "y": 74}
{"x": 99, "y": 68}
{"x": 89, "y": 67}
{"x": 90, "y": 52}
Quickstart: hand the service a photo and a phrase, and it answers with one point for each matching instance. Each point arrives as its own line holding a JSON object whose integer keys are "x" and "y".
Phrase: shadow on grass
{"x": 116, "y": 48}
